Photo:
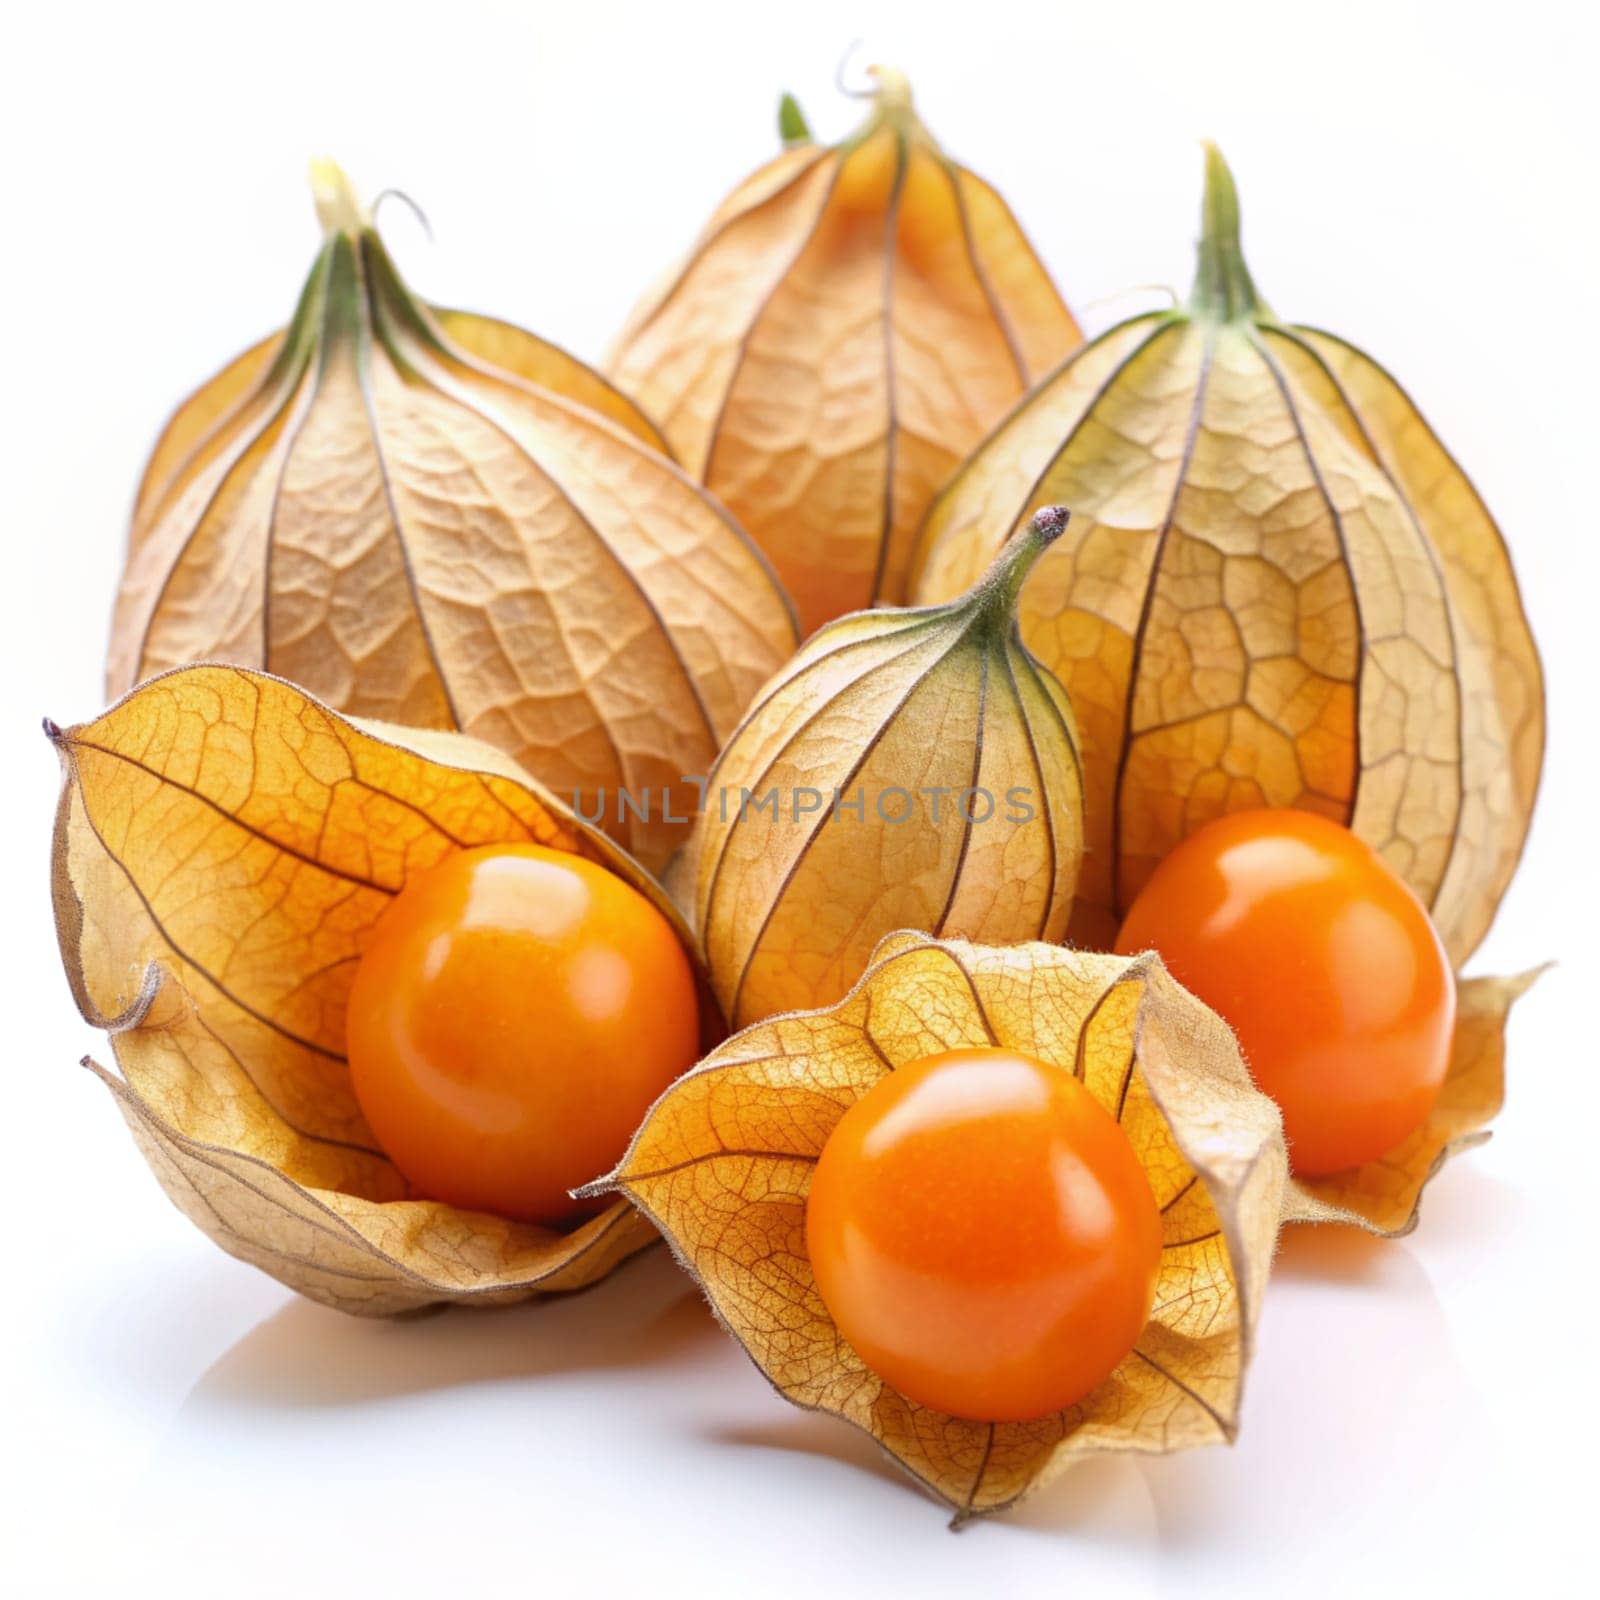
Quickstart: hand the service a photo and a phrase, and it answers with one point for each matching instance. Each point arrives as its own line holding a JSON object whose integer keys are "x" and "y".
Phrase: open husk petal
{"x": 723, "y": 1163}
{"x": 224, "y": 846}
{"x": 440, "y": 520}
{"x": 850, "y": 321}
{"x": 1278, "y": 589}
{"x": 1385, "y": 1196}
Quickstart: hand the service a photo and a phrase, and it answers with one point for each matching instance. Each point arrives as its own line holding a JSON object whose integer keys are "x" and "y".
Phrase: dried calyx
{"x": 851, "y": 320}
{"x": 1278, "y": 589}
{"x": 908, "y": 769}
{"x": 419, "y": 514}
{"x": 723, "y": 1166}
{"x": 224, "y": 850}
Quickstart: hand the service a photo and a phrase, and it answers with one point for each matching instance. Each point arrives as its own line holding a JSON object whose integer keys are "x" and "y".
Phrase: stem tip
{"x": 338, "y": 209}
{"x": 892, "y": 88}
{"x": 1223, "y": 288}
{"x": 1050, "y": 522}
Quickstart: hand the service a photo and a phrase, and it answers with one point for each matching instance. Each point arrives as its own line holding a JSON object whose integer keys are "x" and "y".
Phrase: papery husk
{"x": 439, "y": 520}
{"x": 223, "y": 847}
{"x": 1278, "y": 589}
{"x": 850, "y": 321}
{"x": 1385, "y": 1196}
{"x": 931, "y": 724}
{"x": 723, "y": 1163}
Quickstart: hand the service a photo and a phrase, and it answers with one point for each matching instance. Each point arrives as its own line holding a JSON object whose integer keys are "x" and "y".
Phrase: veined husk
{"x": 223, "y": 848}
{"x": 850, "y": 321}
{"x": 723, "y": 1163}
{"x": 1277, "y": 589}
{"x": 880, "y": 782}
{"x": 439, "y": 520}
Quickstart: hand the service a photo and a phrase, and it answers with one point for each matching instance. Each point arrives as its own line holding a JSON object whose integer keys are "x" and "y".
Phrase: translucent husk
{"x": 223, "y": 848}
{"x": 440, "y": 520}
{"x": 849, "y": 322}
{"x": 907, "y": 769}
{"x": 1278, "y": 588}
{"x": 723, "y": 1163}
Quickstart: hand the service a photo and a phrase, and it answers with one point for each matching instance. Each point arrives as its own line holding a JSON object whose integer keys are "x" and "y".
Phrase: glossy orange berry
{"x": 1326, "y": 966}
{"x": 982, "y": 1233}
{"x": 515, "y": 1014}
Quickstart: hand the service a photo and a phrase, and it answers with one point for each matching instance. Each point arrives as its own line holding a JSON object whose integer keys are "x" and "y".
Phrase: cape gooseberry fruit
{"x": 438, "y": 519}
{"x": 908, "y": 769}
{"x": 1278, "y": 590}
{"x": 850, "y": 321}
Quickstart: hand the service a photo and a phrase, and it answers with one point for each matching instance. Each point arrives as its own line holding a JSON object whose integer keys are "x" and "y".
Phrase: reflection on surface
{"x": 1356, "y": 1409}
{"x": 139, "y": 1331}
{"x": 1356, "y": 1412}
{"x": 306, "y": 1355}
{"x": 1357, "y": 1418}
{"x": 807, "y": 1433}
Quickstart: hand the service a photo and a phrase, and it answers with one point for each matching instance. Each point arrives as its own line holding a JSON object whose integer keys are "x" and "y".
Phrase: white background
{"x": 1420, "y": 178}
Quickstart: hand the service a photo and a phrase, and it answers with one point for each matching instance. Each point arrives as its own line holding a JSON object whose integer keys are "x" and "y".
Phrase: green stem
{"x": 363, "y": 283}
{"x": 344, "y": 306}
{"x": 305, "y": 326}
{"x": 994, "y": 596}
{"x": 1223, "y": 287}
